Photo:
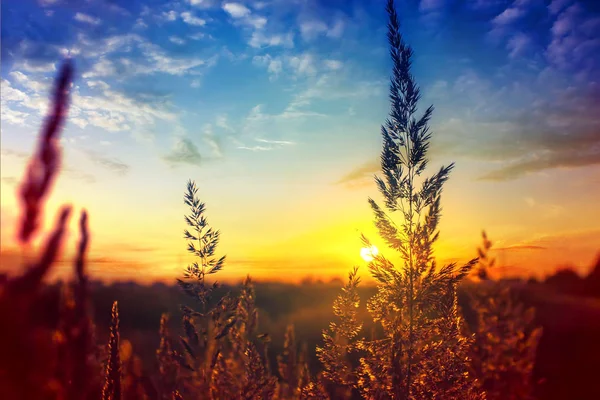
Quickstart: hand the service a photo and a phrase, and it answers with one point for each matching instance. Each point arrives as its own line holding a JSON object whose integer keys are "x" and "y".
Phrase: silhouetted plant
{"x": 112, "y": 382}
{"x": 168, "y": 366}
{"x": 506, "y": 336}
{"x": 342, "y": 339}
{"x": 54, "y": 359}
{"x": 202, "y": 243}
{"x": 292, "y": 367}
{"x": 221, "y": 347}
{"x": 415, "y": 303}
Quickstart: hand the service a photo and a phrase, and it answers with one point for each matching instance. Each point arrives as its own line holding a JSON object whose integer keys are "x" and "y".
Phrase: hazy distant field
{"x": 568, "y": 355}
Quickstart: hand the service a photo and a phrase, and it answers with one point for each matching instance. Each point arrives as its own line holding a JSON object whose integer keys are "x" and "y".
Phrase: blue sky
{"x": 274, "y": 108}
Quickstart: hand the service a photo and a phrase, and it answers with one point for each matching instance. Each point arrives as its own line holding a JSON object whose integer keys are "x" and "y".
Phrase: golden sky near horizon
{"x": 316, "y": 235}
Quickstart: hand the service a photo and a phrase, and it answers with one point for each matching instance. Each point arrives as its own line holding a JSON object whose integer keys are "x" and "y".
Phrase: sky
{"x": 274, "y": 109}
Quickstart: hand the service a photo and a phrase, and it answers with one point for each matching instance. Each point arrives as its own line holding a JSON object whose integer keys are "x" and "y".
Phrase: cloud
{"x": 332, "y": 86}
{"x": 256, "y": 148}
{"x": 114, "y": 111}
{"x": 34, "y": 66}
{"x": 274, "y": 65}
{"x": 15, "y": 153}
{"x": 277, "y": 142}
{"x": 153, "y": 59}
{"x": 114, "y": 165}
{"x": 558, "y": 5}
{"x": 48, "y": 3}
{"x": 222, "y": 122}
{"x": 13, "y": 117}
{"x": 333, "y": 65}
{"x": 170, "y": 15}
{"x": 176, "y": 40}
{"x": 87, "y": 19}
{"x": 303, "y": 64}
{"x": 213, "y": 141}
{"x": 526, "y": 130}
{"x": 243, "y": 15}
{"x": 575, "y": 42}
{"x": 69, "y": 171}
{"x": 79, "y": 175}
{"x": 266, "y": 129}
{"x": 191, "y": 19}
{"x": 10, "y": 180}
{"x": 508, "y": 16}
{"x": 184, "y": 152}
{"x": 236, "y": 10}
{"x": 360, "y": 175}
{"x": 267, "y": 145}
{"x": 520, "y": 247}
{"x": 13, "y": 102}
{"x": 10, "y": 97}
{"x": 260, "y": 40}
{"x": 518, "y": 44}
{"x": 202, "y": 4}
{"x": 312, "y": 28}
{"x": 504, "y": 22}
{"x": 300, "y": 65}
{"x": 537, "y": 163}
{"x": 34, "y": 85}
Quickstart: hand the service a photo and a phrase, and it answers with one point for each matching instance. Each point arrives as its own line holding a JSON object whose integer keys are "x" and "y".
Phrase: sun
{"x": 369, "y": 253}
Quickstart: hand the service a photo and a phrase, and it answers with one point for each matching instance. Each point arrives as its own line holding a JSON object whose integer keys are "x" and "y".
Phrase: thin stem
{"x": 411, "y": 268}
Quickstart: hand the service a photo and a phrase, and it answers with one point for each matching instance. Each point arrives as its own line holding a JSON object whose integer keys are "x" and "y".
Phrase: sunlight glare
{"x": 369, "y": 253}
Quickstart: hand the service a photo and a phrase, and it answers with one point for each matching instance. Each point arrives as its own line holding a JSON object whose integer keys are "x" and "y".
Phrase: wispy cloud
{"x": 184, "y": 151}
{"x": 191, "y": 19}
{"x": 574, "y": 45}
{"x": 520, "y": 247}
{"x": 242, "y": 15}
{"x": 176, "y": 40}
{"x": 236, "y": 10}
{"x": 508, "y": 16}
{"x": 333, "y": 65}
{"x": 260, "y": 39}
{"x": 312, "y": 28}
{"x": 88, "y": 19}
{"x": 274, "y": 65}
{"x": 361, "y": 175}
{"x": 537, "y": 163}
{"x": 203, "y": 4}
{"x": 303, "y": 64}
{"x": 518, "y": 44}
{"x": 277, "y": 142}
{"x": 266, "y": 145}
{"x": 112, "y": 164}
{"x": 223, "y": 122}
{"x": 10, "y": 180}
{"x": 113, "y": 111}
{"x": 68, "y": 170}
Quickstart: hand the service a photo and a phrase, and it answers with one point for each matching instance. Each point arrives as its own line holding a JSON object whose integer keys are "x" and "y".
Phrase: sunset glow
{"x": 369, "y": 253}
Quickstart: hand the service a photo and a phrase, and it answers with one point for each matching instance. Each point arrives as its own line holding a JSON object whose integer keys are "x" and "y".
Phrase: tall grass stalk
{"x": 415, "y": 302}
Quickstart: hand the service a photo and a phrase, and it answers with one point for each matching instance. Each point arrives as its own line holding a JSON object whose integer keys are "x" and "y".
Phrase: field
{"x": 566, "y": 362}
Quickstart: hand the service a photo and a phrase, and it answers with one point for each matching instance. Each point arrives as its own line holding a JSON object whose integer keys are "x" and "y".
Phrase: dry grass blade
{"x": 112, "y": 384}
{"x": 43, "y": 167}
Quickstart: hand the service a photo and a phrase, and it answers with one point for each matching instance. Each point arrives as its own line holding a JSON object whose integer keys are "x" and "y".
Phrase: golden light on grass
{"x": 369, "y": 253}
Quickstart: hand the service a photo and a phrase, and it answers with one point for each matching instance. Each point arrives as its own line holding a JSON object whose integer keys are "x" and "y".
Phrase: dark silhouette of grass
{"x": 566, "y": 360}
